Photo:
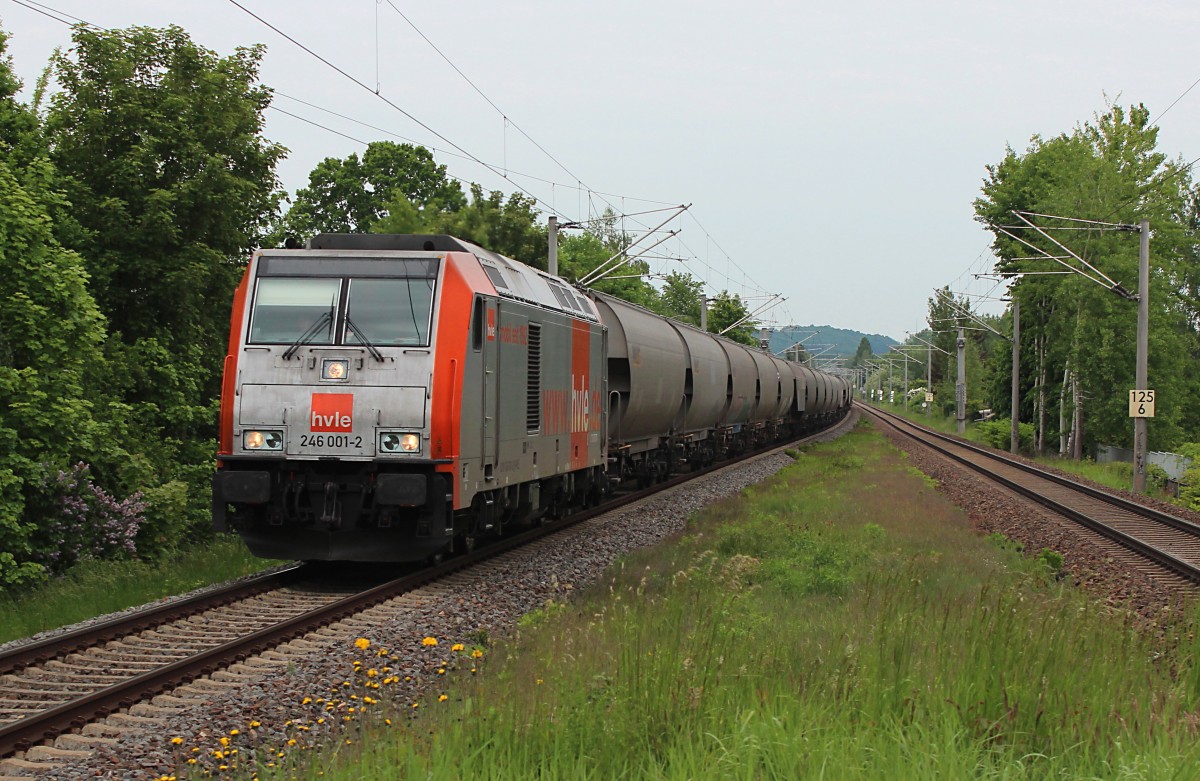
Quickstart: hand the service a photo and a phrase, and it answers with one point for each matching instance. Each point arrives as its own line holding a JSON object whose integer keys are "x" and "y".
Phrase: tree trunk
{"x": 1062, "y": 413}
{"x": 1077, "y": 427}
{"x": 1040, "y": 445}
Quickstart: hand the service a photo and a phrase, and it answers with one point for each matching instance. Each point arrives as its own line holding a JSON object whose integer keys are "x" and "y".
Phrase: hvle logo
{"x": 332, "y": 412}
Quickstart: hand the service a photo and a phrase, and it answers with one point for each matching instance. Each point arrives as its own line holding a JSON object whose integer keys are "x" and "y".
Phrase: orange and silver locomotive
{"x": 384, "y": 395}
{"x": 389, "y": 397}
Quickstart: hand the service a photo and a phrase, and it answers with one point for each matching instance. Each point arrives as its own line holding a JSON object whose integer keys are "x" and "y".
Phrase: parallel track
{"x": 106, "y": 682}
{"x": 1171, "y": 543}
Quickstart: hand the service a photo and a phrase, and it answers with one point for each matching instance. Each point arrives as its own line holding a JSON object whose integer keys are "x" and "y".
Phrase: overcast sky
{"x": 831, "y": 151}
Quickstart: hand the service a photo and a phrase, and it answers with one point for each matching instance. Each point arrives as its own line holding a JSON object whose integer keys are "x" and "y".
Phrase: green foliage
{"x": 1051, "y": 560}
{"x": 1189, "y": 489}
{"x": 394, "y": 188}
{"x": 50, "y": 331}
{"x": 1107, "y": 169}
{"x": 129, "y": 213}
{"x": 157, "y": 142}
{"x": 863, "y": 353}
{"x": 998, "y": 433}
{"x": 680, "y": 297}
{"x": 504, "y": 225}
{"x": 726, "y": 309}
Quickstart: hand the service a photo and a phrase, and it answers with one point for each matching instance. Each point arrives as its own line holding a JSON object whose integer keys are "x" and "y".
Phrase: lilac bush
{"x": 91, "y": 522}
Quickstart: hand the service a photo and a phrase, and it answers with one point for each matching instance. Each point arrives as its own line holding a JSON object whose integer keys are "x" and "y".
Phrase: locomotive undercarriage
{"x": 343, "y": 511}
{"x": 354, "y": 511}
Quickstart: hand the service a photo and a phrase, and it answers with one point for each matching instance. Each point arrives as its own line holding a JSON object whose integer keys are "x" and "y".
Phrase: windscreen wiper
{"x": 362, "y": 337}
{"x": 324, "y": 320}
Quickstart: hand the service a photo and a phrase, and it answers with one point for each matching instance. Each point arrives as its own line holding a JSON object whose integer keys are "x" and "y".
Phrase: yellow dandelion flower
{"x": 235, "y": 732}
{"x": 255, "y": 724}
{"x": 441, "y": 671}
{"x": 477, "y": 654}
{"x": 387, "y": 722}
{"x": 192, "y": 760}
{"x": 321, "y": 720}
{"x": 224, "y": 741}
{"x": 362, "y": 643}
{"x": 472, "y": 669}
{"x": 429, "y": 641}
{"x": 369, "y": 700}
{"x": 291, "y": 741}
{"x": 443, "y": 698}
{"x": 416, "y": 704}
{"x": 175, "y": 741}
{"x": 539, "y": 681}
{"x": 372, "y": 672}
{"x": 456, "y": 647}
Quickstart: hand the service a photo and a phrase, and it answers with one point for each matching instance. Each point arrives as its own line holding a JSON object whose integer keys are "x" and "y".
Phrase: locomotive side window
{"x": 287, "y": 309}
{"x": 389, "y": 311}
{"x": 477, "y": 325}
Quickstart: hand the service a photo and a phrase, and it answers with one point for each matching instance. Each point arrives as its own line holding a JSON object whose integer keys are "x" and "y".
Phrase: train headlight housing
{"x": 336, "y": 369}
{"x": 402, "y": 442}
{"x": 262, "y": 440}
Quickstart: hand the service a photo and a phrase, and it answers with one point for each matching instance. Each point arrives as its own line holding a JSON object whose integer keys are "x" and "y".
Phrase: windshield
{"x": 287, "y": 309}
{"x": 389, "y": 311}
{"x": 376, "y": 311}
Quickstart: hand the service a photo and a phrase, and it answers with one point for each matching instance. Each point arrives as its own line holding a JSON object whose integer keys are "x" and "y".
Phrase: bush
{"x": 90, "y": 523}
{"x": 1189, "y": 490}
{"x": 998, "y": 434}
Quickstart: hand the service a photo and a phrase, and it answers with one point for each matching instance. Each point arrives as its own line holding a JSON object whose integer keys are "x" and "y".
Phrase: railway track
{"x": 1168, "y": 542}
{"x": 54, "y": 692}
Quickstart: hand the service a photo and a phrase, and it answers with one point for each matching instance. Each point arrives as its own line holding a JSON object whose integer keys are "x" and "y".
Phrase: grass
{"x": 841, "y": 621}
{"x": 99, "y": 587}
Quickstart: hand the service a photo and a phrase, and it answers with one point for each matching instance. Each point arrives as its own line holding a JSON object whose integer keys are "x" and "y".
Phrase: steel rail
{"x": 40, "y": 651}
{"x": 49, "y": 724}
{"x": 1175, "y": 564}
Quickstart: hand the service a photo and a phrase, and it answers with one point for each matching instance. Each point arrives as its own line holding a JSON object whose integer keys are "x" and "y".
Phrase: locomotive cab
{"x": 369, "y": 396}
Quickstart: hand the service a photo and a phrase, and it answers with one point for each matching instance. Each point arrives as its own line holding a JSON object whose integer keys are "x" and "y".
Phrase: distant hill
{"x": 844, "y": 342}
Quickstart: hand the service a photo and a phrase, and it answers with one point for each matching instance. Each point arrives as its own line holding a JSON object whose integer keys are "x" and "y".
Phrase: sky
{"x": 830, "y": 151}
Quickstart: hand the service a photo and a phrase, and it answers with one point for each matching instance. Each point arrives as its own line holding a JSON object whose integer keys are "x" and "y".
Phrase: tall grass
{"x": 840, "y": 622}
{"x": 96, "y": 588}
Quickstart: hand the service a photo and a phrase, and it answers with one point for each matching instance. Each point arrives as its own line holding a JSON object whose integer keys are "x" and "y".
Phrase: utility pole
{"x": 1143, "y": 337}
{"x": 703, "y": 312}
{"x": 1015, "y": 443}
{"x": 960, "y": 386}
{"x": 552, "y": 230}
{"x": 928, "y": 377}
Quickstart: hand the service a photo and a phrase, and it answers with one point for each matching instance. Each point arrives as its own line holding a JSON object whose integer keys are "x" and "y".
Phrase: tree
{"x": 505, "y": 225}
{"x": 727, "y": 309}
{"x": 158, "y": 144}
{"x": 1077, "y": 337}
{"x": 352, "y": 195}
{"x": 863, "y": 353}
{"x": 50, "y": 332}
{"x": 680, "y": 297}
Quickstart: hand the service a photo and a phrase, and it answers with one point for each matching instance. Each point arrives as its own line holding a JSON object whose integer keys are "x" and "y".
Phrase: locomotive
{"x": 393, "y": 397}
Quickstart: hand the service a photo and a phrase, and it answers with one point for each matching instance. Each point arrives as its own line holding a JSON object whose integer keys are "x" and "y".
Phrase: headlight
{"x": 262, "y": 440}
{"x": 335, "y": 369}
{"x": 399, "y": 442}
